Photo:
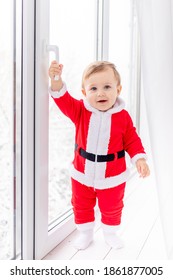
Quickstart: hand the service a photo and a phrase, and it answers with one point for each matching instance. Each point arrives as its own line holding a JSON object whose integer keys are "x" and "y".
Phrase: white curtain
{"x": 156, "y": 34}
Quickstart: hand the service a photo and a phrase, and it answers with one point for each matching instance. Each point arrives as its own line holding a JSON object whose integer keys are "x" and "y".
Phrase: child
{"x": 104, "y": 132}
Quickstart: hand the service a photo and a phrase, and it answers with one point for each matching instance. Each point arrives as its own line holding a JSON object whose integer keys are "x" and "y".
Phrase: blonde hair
{"x": 99, "y": 66}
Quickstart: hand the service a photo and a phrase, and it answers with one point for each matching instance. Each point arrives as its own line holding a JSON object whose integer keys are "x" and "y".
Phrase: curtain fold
{"x": 156, "y": 36}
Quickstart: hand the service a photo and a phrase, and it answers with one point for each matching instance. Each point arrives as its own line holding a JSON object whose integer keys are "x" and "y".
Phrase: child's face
{"x": 101, "y": 90}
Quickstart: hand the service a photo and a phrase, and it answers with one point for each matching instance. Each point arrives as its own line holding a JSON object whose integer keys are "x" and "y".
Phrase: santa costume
{"x": 99, "y": 167}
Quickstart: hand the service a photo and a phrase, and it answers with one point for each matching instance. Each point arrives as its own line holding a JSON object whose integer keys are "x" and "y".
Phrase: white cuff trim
{"x": 138, "y": 156}
{"x": 58, "y": 94}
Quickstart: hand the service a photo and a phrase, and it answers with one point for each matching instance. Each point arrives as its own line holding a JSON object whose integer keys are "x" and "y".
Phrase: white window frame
{"x": 17, "y": 6}
{"x": 28, "y": 129}
{"x": 135, "y": 66}
{"x": 102, "y": 30}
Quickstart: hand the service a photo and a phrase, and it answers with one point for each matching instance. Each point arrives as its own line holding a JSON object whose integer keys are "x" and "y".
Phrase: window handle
{"x": 55, "y": 49}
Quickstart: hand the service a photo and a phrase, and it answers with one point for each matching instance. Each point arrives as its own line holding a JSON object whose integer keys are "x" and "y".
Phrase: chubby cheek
{"x": 91, "y": 98}
{"x": 114, "y": 98}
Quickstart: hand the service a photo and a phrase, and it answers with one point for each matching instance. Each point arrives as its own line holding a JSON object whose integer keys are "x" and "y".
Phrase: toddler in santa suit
{"x": 104, "y": 132}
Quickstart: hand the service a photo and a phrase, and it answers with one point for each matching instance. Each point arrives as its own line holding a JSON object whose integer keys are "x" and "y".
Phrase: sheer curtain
{"x": 156, "y": 34}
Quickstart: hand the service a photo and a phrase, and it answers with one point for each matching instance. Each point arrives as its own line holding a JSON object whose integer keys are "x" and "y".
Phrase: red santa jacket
{"x": 100, "y": 133}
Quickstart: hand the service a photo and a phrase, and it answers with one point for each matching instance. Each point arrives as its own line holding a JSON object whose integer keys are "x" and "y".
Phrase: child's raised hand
{"x": 142, "y": 168}
{"x": 55, "y": 69}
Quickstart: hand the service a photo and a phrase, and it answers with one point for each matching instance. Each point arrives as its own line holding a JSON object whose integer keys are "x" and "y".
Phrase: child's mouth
{"x": 102, "y": 101}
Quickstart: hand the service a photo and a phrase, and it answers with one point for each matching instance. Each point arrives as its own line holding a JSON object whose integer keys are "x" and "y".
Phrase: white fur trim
{"x": 100, "y": 124}
{"x": 104, "y": 183}
{"x": 103, "y": 144}
{"x": 118, "y": 106}
{"x": 57, "y": 94}
{"x": 138, "y": 156}
{"x": 91, "y": 145}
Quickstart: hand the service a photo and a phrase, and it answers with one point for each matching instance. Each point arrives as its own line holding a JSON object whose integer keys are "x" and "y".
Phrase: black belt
{"x": 99, "y": 158}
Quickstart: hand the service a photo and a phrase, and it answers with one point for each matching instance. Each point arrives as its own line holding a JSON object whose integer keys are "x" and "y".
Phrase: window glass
{"x": 10, "y": 144}
{"x": 6, "y": 131}
{"x": 74, "y": 33}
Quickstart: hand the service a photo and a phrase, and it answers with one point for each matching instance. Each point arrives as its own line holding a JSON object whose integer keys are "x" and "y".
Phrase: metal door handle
{"x": 54, "y": 49}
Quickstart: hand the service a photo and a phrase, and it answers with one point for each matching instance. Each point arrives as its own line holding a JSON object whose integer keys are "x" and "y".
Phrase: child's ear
{"x": 119, "y": 88}
{"x": 83, "y": 91}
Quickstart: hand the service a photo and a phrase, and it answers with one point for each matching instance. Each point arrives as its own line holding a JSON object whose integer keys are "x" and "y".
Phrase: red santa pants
{"x": 110, "y": 202}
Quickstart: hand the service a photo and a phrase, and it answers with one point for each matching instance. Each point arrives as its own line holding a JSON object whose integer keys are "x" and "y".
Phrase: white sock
{"x": 113, "y": 240}
{"x": 111, "y": 237}
{"x": 83, "y": 239}
{"x": 85, "y": 235}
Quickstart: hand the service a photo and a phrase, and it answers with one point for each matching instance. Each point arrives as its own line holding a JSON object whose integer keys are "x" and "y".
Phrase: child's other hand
{"x": 55, "y": 69}
{"x": 142, "y": 167}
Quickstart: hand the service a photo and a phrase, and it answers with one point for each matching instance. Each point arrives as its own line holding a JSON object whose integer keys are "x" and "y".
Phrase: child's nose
{"x": 101, "y": 93}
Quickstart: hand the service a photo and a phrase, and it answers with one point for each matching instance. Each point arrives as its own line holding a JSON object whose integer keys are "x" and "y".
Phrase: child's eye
{"x": 93, "y": 88}
{"x": 107, "y": 87}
